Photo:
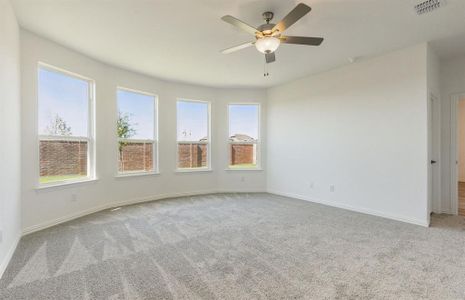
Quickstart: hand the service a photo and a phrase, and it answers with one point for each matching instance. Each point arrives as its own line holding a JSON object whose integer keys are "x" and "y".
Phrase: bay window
{"x": 137, "y": 132}
{"x": 65, "y": 126}
{"x": 244, "y": 136}
{"x": 193, "y": 135}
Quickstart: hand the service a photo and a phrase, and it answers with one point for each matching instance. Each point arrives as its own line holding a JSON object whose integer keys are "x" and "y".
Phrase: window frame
{"x": 258, "y": 165}
{"x": 90, "y": 139}
{"x": 208, "y": 142}
{"x": 154, "y": 141}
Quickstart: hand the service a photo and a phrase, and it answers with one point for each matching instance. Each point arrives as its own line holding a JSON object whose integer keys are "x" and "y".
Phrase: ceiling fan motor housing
{"x": 266, "y": 29}
{"x": 268, "y": 16}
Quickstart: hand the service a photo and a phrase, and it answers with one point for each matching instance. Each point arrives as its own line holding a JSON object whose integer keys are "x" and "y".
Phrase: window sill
{"x": 243, "y": 169}
{"x": 138, "y": 174}
{"x": 193, "y": 170}
{"x": 64, "y": 184}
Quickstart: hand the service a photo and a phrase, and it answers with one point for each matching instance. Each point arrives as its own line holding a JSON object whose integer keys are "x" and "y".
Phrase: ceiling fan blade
{"x": 239, "y": 24}
{"x": 237, "y": 48}
{"x": 301, "y": 40}
{"x": 298, "y": 12}
{"x": 270, "y": 57}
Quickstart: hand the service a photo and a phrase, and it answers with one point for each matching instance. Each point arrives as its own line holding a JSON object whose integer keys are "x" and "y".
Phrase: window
{"x": 193, "y": 134}
{"x": 136, "y": 131}
{"x": 65, "y": 126}
{"x": 244, "y": 138}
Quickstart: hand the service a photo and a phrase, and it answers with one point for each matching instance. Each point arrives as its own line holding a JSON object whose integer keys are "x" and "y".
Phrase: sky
{"x": 243, "y": 119}
{"x": 64, "y": 96}
{"x": 67, "y": 97}
{"x": 141, "y": 111}
{"x": 192, "y": 120}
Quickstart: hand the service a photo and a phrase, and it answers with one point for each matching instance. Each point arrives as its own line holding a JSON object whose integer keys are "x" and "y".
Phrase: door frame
{"x": 454, "y": 150}
{"x": 432, "y": 100}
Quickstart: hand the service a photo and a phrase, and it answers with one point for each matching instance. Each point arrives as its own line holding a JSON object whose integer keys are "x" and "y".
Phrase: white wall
{"x": 10, "y": 202}
{"x": 452, "y": 79}
{"x": 361, "y": 128}
{"x": 46, "y": 206}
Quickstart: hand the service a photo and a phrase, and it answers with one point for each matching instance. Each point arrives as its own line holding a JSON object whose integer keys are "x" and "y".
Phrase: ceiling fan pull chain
{"x": 265, "y": 71}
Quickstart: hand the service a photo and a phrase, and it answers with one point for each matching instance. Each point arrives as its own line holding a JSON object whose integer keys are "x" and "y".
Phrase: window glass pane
{"x": 243, "y": 122}
{"x": 192, "y": 121}
{"x": 136, "y": 120}
{"x": 63, "y": 115}
{"x": 192, "y": 155}
{"x": 62, "y": 160}
{"x": 136, "y": 115}
{"x": 63, "y": 104}
{"x": 243, "y": 132}
{"x": 243, "y": 155}
{"x": 135, "y": 157}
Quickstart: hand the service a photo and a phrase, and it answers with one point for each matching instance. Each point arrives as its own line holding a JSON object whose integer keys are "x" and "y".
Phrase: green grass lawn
{"x": 49, "y": 179}
{"x": 243, "y": 166}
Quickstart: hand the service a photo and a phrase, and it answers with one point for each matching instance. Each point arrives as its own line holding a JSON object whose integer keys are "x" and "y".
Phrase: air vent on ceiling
{"x": 428, "y": 6}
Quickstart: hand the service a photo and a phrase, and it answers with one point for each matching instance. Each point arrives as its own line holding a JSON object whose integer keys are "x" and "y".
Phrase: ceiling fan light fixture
{"x": 267, "y": 44}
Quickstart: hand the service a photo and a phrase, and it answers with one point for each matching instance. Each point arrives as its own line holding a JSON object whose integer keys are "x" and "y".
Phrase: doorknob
{"x": 433, "y": 162}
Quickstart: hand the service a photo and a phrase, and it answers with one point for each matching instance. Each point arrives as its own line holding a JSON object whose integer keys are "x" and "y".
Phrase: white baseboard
{"x": 362, "y": 210}
{"x": 63, "y": 219}
{"x": 9, "y": 255}
{"x": 242, "y": 191}
{"x": 73, "y": 216}
{"x": 159, "y": 197}
{"x": 446, "y": 212}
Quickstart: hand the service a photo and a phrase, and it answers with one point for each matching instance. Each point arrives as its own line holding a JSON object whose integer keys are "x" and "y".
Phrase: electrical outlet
{"x": 332, "y": 188}
{"x": 73, "y": 197}
{"x": 311, "y": 184}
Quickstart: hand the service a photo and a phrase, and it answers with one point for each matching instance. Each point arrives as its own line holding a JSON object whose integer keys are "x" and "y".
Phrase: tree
{"x": 58, "y": 126}
{"x": 125, "y": 129}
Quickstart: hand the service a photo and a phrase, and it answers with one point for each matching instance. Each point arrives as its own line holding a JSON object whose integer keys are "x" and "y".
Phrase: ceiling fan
{"x": 269, "y": 36}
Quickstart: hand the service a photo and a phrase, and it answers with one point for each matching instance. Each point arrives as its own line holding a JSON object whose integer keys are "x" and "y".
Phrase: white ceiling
{"x": 181, "y": 39}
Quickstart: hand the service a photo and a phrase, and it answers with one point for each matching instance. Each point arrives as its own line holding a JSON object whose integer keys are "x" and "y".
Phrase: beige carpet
{"x": 239, "y": 246}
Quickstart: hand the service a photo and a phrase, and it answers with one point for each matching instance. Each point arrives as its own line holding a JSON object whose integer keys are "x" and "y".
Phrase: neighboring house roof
{"x": 241, "y": 138}
{"x": 235, "y": 138}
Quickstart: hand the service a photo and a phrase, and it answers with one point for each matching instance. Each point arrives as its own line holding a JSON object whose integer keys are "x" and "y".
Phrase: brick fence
{"x": 241, "y": 154}
{"x": 70, "y": 157}
{"x": 63, "y": 158}
{"x": 192, "y": 155}
{"x": 136, "y": 157}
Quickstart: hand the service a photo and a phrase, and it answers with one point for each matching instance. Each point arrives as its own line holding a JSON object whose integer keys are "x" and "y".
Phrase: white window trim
{"x": 258, "y": 165}
{"x": 64, "y": 184}
{"x": 136, "y": 174}
{"x": 154, "y": 141}
{"x": 208, "y": 168}
{"x": 90, "y": 139}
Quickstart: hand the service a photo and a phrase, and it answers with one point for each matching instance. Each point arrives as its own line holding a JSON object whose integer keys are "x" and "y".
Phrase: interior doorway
{"x": 458, "y": 157}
